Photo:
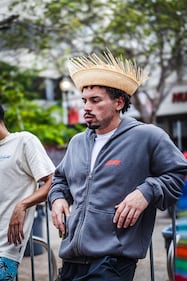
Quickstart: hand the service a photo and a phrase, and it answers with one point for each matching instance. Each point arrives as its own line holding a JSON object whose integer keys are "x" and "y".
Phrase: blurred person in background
{"x": 23, "y": 164}
{"x": 114, "y": 176}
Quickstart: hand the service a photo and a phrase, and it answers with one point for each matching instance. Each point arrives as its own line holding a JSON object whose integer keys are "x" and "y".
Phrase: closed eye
{"x": 92, "y": 100}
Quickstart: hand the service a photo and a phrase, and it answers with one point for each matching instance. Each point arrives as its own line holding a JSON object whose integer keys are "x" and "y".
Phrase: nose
{"x": 87, "y": 107}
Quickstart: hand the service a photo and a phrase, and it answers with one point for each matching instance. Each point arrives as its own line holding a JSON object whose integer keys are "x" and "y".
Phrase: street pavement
{"x": 143, "y": 267}
{"x": 159, "y": 253}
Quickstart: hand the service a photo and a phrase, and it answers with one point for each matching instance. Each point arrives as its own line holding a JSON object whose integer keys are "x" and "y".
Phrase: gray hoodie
{"x": 136, "y": 156}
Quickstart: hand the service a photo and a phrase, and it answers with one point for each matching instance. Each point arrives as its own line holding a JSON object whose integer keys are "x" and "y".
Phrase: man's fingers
{"x": 126, "y": 216}
{"x": 9, "y": 236}
{"x": 119, "y": 209}
{"x": 131, "y": 218}
{"x": 60, "y": 210}
{"x": 58, "y": 222}
{"x": 15, "y": 235}
{"x": 22, "y": 233}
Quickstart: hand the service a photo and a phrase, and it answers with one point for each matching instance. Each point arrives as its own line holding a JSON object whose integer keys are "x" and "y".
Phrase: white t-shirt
{"x": 23, "y": 161}
{"x": 100, "y": 141}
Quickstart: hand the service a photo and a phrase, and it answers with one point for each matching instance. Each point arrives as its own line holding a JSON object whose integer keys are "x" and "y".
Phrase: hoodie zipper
{"x": 83, "y": 213}
{"x": 89, "y": 179}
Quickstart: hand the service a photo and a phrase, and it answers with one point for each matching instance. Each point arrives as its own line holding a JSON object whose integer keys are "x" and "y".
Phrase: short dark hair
{"x": 116, "y": 93}
{"x": 2, "y": 113}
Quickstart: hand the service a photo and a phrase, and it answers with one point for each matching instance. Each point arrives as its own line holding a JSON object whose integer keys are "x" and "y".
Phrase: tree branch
{"x": 6, "y": 23}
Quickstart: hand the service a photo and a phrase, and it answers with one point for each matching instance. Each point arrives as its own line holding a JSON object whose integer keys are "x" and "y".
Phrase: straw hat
{"x": 106, "y": 70}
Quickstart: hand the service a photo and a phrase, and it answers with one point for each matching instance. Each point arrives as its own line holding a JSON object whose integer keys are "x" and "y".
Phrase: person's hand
{"x": 129, "y": 210}
{"x": 15, "y": 230}
{"x": 60, "y": 207}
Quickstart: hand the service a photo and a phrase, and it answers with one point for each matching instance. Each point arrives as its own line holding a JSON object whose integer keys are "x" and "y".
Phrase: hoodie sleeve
{"x": 168, "y": 168}
{"x": 59, "y": 187}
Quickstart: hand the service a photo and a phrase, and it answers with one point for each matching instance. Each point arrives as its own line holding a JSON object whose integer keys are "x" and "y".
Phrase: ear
{"x": 120, "y": 103}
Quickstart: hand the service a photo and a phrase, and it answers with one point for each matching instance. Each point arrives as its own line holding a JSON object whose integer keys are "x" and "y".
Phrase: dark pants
{"x": 101, "y": 269}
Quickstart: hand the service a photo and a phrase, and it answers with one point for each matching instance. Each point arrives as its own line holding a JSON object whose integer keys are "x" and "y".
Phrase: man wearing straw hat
{"x": 113, "y": 195}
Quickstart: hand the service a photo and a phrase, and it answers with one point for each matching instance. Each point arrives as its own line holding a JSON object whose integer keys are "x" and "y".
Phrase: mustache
{"x": 88, "y": 115}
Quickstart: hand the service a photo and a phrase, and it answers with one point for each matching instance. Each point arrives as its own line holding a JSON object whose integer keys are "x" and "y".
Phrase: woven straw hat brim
{"x": 104, "y": 77}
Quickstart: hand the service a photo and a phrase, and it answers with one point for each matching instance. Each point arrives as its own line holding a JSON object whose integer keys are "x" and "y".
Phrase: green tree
{"x": 153, "y": 32}
{"x": 23, "y": 113}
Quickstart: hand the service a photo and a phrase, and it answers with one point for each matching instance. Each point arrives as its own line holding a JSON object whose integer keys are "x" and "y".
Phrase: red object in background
{"x": 185, "y": 154}
{"x": 73, "y": 115}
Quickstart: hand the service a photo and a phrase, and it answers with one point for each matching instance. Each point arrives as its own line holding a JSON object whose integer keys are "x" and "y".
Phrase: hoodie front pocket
{"x": 98, "y": 234}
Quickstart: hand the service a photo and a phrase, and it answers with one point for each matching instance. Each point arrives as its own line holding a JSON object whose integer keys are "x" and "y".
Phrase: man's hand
{"x": 60, "y": 207}
{"x": 15, "y": 230}
{"x": 129, "y": 210}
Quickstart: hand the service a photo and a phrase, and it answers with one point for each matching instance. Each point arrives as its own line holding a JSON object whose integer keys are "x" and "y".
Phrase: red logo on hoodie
{"x": 113, "y": 162}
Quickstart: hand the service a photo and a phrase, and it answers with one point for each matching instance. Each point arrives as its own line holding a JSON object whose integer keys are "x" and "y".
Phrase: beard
{"x": 93, "y": 126}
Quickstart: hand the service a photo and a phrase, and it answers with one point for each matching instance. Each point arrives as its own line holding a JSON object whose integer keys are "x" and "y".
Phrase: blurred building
{"x": 172, "y": 115}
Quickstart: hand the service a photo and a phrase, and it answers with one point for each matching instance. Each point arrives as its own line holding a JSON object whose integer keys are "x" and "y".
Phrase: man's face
{"x": 101, "y": 113}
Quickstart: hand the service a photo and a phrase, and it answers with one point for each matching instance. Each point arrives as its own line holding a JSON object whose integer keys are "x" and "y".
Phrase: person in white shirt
{"x": 23, "y": 164}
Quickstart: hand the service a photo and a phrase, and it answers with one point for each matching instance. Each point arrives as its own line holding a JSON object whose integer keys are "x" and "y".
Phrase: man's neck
{"x": 108, "y": 129}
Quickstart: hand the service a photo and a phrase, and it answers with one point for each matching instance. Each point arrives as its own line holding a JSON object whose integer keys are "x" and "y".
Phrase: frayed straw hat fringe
{"x": 106, "y": 70}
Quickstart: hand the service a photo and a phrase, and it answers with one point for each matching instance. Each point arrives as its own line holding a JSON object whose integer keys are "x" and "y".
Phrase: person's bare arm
{"x": 15, "y": 230}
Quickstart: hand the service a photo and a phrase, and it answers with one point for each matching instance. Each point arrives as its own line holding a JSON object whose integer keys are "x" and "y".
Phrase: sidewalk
{"x": 143, "y": 268}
